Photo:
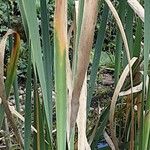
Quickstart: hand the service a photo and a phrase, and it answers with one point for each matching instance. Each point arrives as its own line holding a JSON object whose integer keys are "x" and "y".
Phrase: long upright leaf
{"x": 138, "y": 39}
{"x": 28, "y": 105}
{"x": 146, "y": 64}
{"x": 129, "y": 29}
{"x": 28, "y": 9}
{"x": 85, "y": 45}
{"x": 39, "y": 140}
{"x": 119, "y": 42}
{"x": 129, "y": 34}
{"x": 79, "y": 5}
{"x": 60, "y": 46}
{"x": 81, "y": 119}
{"x": 47, "y": 54}
{"x": 97, "y": 54}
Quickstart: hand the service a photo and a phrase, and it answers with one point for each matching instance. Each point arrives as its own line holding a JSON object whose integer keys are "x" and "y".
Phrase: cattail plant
{"x": 61, "y": 36}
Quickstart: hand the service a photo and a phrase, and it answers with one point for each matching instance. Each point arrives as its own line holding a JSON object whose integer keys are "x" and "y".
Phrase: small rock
{"x": 21, "y": 92}
{"x": 107, "y": 79}
{"x": 20, "y": 97}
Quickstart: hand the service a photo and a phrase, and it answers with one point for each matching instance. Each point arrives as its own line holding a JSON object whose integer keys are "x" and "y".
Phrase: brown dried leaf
{"x": 85, "y": 45}
{"x": 115, "y": 97}
{"x": 137, "y": 8}
{"x": 81, "y": 119}
{"x": 2, "y": 87}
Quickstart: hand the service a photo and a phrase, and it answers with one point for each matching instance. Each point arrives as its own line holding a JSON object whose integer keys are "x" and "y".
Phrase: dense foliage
{"x": 74, "y": 74}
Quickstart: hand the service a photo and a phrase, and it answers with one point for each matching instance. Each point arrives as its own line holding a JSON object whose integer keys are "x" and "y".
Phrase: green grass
{"x": 55, "y": 29}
